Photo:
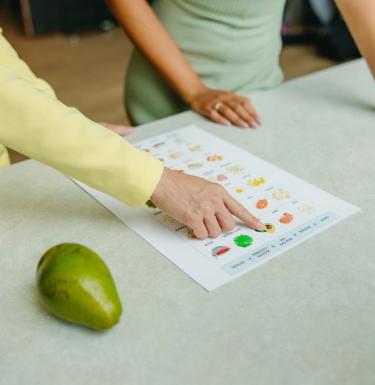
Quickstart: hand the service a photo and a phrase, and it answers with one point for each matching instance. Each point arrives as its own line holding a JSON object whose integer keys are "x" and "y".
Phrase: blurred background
{"x": 78, "y": 48}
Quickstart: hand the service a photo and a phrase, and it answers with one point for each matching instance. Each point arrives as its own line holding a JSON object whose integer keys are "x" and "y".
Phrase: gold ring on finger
{"x": 217, "y": 106}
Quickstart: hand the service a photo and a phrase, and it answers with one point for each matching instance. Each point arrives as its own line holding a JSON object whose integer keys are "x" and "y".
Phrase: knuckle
{"x": 216, "y": 200}
{"x": 238, "y": 109}
{"x": 192, "y": 218}
{"x": 234, "y": 116}
{"x": 206, "y": 210}
{"x": 206, "y": 109}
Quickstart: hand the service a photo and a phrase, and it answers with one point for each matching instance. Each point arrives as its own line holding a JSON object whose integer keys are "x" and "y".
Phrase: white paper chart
{"x": 292, "y": 209}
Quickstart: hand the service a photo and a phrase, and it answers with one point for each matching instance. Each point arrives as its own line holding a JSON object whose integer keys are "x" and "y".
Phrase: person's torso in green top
{"x": 232, "y": 45}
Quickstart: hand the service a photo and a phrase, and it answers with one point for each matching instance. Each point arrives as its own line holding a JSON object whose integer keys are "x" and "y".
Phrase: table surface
{"x": 306, "y": 317}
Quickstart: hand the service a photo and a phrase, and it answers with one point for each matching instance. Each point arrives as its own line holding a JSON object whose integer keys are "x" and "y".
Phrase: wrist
{"x": 190, "y": 95}
{"x": 160, "y": 187}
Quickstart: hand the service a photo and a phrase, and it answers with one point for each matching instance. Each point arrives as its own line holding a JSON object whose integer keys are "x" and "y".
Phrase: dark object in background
{"x": 335, "y": 41}
{"x": 331, "y": 38}
{"x": 68, "y": 16}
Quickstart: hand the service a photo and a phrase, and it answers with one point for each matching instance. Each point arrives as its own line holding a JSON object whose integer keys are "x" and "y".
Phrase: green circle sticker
{"x": 243, "y": 240}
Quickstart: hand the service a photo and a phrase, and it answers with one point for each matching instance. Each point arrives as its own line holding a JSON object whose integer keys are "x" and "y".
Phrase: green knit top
{"x": 232, "y": 45}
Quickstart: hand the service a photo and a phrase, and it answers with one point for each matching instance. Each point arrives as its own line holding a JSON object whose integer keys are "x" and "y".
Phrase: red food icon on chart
{"x": 286, "y": 218}
{"x": 221, "y": 177}
{"x": 219, "y": 250}
{"x": 261, "y": 204}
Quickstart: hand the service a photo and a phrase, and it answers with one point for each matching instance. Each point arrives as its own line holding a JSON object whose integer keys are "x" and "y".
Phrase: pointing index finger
{"x": 236, "y": 209}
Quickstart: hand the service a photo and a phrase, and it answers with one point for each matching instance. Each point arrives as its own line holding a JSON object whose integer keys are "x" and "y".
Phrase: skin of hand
{"x": 360, "y": 18}
{"x": 151, "y": 38}
{"x": 119, "y": 129}
{"x": 224, "y": 107}
{"x": 205, "y": 207}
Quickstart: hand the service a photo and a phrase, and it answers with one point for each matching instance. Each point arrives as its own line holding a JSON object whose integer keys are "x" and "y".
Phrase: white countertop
{"x": 306, "y": 317}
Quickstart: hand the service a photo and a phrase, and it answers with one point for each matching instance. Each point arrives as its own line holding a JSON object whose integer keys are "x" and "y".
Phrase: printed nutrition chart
{"x": 292, "y": 209}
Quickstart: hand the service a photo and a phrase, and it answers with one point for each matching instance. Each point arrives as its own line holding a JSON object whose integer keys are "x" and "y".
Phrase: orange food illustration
{"x": 261, "y": 204}
{"x": 286, "y": 218}
{"x": 214, "y": 158}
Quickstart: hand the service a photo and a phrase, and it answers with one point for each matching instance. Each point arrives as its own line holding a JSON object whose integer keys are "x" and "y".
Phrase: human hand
{"x": 119, "y": 129}
{"x": 225, "y": 108}
{"x": 205, "y": 207}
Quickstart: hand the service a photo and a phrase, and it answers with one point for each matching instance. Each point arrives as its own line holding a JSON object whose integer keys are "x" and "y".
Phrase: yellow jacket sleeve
{"x": 10, "y": 59}
{"x": 33, "y": 122}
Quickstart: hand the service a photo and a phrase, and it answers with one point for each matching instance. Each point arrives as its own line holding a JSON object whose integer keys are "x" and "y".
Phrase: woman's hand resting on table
{"x": 224, "y": 107}
{"x": 205, "y": 207}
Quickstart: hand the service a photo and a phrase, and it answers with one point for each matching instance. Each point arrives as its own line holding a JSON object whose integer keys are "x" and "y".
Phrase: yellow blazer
{"x": 35, "y": 123}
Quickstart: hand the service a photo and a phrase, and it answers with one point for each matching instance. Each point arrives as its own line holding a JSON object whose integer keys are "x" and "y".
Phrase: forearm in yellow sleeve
{"x": 39, "y": 126}
{"x": 9, "y": 58}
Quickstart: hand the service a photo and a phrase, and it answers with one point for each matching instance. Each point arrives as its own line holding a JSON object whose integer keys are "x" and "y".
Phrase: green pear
{"x": 76, "y": 285}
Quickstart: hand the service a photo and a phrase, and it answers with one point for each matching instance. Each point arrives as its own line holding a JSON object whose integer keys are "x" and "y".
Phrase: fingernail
{"x": 244, "y": 125}
{"x": 227, "y": 122}
{"x": 261, "y": 227}
{"x": 254, "y": 124}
